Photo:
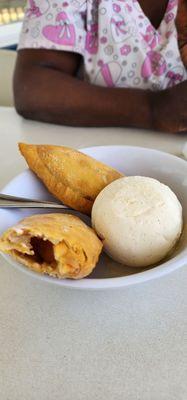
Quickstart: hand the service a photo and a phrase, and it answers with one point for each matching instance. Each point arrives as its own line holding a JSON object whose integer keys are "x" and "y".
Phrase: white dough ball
{"x": 139, "y": 219}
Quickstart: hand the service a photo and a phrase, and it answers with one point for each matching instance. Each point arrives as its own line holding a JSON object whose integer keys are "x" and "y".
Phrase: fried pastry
{"x": 60, "y": 245}
{"x": 71, "y": 176}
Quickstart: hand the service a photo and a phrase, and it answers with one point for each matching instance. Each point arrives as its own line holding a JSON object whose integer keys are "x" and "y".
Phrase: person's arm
{"x": 46, "y": 89}
{"x": 181, "y": 23}
{"x": 50, "y": 91}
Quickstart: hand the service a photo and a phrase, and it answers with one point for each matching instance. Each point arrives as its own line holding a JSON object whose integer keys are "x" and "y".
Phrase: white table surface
{"x": 9, "y": 34}
{"x": 55, "y": 343}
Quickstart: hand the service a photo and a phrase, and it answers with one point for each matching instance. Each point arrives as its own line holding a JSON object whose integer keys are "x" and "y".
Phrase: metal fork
{"x": 9, "y": 201}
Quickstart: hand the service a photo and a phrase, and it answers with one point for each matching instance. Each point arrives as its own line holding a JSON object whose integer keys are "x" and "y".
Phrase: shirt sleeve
{"x": 54, "y": 25}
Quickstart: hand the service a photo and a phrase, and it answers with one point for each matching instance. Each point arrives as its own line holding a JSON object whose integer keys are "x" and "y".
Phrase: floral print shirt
{"x": 119, "y": 45}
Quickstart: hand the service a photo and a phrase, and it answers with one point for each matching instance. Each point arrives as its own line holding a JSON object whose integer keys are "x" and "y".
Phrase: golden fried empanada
{"x": 73, "y": 177}
{"x": 59, "y": 245}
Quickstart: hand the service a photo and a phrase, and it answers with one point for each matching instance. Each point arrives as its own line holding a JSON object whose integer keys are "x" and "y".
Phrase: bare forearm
{"x": 50, "y": 95}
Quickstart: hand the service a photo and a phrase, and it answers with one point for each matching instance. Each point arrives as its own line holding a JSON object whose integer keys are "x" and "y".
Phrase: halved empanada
{"x": 59, "y": 245}
{"x": 71, "y": 176}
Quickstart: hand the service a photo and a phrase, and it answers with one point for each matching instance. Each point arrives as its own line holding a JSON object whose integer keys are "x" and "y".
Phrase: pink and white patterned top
{"x": 119, "y": 45}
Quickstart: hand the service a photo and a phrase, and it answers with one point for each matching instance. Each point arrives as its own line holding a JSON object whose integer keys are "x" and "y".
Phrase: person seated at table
{"x": 104, "y": 63}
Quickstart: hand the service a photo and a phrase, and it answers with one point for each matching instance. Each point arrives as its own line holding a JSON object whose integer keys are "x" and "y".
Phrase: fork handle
{"x": 9, "y": 201}
{"x": 23, "y": 199}
{"x": 33, "y": 205}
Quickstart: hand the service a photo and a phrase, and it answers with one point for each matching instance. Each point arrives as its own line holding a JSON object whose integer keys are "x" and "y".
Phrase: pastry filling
{"x": 60, "y": 259}
{"x": 60, "y": 256}
{"x": 43, "y": 250}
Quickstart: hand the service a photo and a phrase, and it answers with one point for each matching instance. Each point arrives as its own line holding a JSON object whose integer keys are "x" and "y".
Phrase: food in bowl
{"x": 59, "y": 245}
{"x": 139, "y": 220}
{"x": 71, "y": 176}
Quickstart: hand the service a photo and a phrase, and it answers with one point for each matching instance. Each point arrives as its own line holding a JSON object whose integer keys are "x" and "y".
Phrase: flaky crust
{"x": 74, "y": 247}
{"x": 71, "y": 176}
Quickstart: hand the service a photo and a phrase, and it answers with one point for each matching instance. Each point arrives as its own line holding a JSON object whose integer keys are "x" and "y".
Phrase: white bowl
{"x": 166, "y": 168}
